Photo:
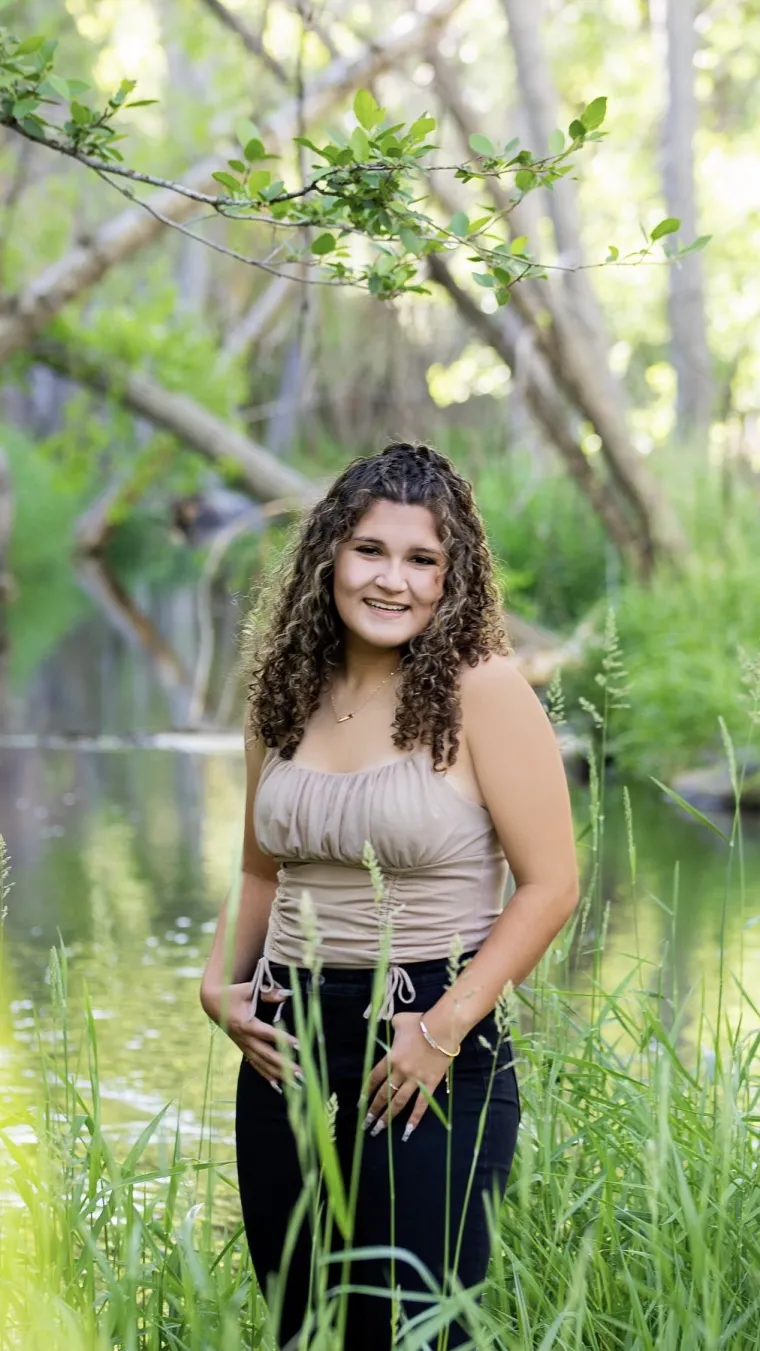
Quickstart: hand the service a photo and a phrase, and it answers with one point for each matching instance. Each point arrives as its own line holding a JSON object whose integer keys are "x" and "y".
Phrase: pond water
{"x": 126, "y": 855}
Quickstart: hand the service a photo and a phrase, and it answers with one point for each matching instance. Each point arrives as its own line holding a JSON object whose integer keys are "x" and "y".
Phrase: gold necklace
{"x": 347, "y": 716}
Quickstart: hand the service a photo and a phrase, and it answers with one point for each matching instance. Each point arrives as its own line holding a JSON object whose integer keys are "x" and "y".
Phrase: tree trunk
{"x": 539, "y": 99}
{"x": 26, "y": 314}
{"x": 503, "y": 334}
{"x": 265, "y": 477}
{"x": 582, "y": 372}
{"x": 690, "y": 352}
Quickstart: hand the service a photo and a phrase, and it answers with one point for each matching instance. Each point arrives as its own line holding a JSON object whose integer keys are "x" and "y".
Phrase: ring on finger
{"x": 394, "y": 1087}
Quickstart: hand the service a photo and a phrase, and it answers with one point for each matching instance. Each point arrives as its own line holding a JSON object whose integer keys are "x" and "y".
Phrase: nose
{"x": 390, "y": 576}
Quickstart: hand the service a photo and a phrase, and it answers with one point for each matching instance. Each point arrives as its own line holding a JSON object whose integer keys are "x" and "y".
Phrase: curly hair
{"x": 300, "y": 643}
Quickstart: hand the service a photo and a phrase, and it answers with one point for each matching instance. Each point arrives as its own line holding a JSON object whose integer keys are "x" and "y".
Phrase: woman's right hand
{"x": 231, "y": 1008}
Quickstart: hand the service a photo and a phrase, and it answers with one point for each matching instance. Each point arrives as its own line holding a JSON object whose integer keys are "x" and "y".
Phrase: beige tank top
{"x": 443, "y": 866}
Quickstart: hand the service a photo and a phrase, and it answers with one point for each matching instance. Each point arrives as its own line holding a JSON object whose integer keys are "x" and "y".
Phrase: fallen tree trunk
{"x": 503, "y": 334}
{"x": 26, "y": 314}
{"x": 265, "y": 477}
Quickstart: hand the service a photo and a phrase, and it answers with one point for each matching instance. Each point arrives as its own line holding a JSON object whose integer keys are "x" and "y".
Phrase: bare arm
{"x": 519, "y": 769}
{"x": 234, "y": 963}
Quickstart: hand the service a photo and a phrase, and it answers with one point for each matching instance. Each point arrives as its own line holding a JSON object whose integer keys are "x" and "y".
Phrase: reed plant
{"x": 631, "y": 1222}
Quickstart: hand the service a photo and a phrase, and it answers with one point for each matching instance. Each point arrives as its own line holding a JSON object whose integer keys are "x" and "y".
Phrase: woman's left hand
{"x": 410, "y": 1062}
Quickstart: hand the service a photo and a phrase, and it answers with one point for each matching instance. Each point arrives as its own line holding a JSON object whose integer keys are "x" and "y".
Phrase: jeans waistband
{"x": 403, "y": 981}
{"x": 361, "y": 976}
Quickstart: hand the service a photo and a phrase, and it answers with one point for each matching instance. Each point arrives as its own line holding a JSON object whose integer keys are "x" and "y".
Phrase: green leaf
{"x": 80, "y": 113}
{"x": 273, "y": 190}
{"x": 577, "y": 130}
{"x": 254, "y": 149}
{"x": 384, "y": 264}
{"x": 323, "y": 244}
{"x": 304, "y": 140}
{"x": 237, "y": 165}
{"x": 519, "y": 245}
{"x": 524, "y": 179}
{"x": 124, "y": 89}
{"x": 695, "y": 245}
{"x": 556, "y": 142}
{"x": 33, "y": 126}
{"x": 59, "y": 85}
{"x": 366, "y": 110}
{"x": 360, "y": 145}
{"x": 419, "y": 129}
{"x": 510, "y": 147}
{"x": 665, "y": 227}
{"x": 77, "y": 87}
{"x": 389, "y": 146}
{"x": 593, "y": 116}
{"x": 29, "y": 45}
{"x": 259, "y": 179}
{"x": 478, "y": 224}
{"x": 484, "y": 279}
{"x": 410, "y": 240}
{"x": 459, "y": 223}
{"x": 614, "y": 253}
{"x": 481, "y": 145}
{"x": 227, "y": 181}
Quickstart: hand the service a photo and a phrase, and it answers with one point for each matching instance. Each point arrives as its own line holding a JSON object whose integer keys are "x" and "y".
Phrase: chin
{"x": 381, "y": 634}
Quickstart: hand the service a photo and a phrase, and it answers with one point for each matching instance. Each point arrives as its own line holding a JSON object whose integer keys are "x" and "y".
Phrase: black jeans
{"x": 270, "y": 1176}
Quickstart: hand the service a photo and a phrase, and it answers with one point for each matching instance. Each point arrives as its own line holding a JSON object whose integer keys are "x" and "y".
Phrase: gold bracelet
{"x": 434, "y": 1044}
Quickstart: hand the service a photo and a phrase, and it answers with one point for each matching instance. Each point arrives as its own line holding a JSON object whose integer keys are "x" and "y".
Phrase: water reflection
{"x": 128, "y": 855}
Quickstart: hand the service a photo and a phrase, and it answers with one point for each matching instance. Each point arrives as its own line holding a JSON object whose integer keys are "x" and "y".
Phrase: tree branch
{"x": 30, "y": 310}
{"x": 265, "y": 477}
{"x": 250, "y": 40}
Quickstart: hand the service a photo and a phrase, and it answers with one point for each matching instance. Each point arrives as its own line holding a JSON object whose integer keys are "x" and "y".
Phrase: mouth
{"x": 387, "y": 609}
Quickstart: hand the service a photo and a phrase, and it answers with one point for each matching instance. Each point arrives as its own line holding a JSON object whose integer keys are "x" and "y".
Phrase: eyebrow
{"x": 414, "y": 549}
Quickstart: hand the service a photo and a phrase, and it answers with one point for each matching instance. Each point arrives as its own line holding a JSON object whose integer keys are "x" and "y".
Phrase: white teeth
{"x": 379, "y": 605}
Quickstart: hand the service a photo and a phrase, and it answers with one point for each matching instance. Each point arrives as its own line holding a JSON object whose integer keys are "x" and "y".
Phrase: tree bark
{"x": 250, "y": 40}
{"x": 539, "y": 99}
{"x": 579, "y": 370}
{"x": 690, "y": 352}
{"x": 26, "y": 314}
{"x": 540, "y": 392}
{"x": 265, "y": 477}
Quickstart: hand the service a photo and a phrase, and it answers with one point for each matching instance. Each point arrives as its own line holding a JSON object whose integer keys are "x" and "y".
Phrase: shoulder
{"x": 495, "y": 677}
{"x": 496, "y": 697}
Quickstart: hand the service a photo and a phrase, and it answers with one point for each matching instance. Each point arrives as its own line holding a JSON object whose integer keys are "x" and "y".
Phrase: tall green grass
{"x": 631, "y": 1222}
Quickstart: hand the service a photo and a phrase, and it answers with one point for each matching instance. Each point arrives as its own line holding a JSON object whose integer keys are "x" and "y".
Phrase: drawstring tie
{"x": 265, "y": 983}
{"x": 397, "y": 982}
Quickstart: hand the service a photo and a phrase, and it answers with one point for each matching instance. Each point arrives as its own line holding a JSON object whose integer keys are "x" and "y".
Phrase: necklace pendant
{"x": 345, "y": 717}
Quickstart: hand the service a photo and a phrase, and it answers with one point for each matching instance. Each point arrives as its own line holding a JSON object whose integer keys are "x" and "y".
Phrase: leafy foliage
{"x": 368, "y": 184}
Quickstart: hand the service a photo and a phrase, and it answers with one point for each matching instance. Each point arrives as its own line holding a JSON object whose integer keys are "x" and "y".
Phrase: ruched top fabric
{"x": 443, "y": 867}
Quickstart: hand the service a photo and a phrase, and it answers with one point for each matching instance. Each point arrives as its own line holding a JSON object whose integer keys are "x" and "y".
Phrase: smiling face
{"x": 389, "y": 574}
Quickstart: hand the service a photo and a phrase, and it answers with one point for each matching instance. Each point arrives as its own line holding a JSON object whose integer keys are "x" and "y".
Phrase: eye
{"x": 367, "y": 549}
{"x": 422, "y": 558}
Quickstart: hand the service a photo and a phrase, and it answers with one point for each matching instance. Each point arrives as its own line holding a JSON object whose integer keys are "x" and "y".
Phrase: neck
{"x": 364, "y": 664}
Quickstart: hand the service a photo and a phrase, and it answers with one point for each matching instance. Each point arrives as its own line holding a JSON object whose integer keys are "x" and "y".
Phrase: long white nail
{"x": 407, "y": 1132}
{"x": 367, "y": 1121}
{"x": 379, "y": 1127}
{"x": 275, "y": 1085}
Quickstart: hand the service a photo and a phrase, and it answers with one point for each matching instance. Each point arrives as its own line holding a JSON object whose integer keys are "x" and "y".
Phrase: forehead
{"x": 399, "y": 521}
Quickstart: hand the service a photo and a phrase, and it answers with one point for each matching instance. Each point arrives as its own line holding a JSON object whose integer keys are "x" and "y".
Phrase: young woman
{"x": 384, "y": 708}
